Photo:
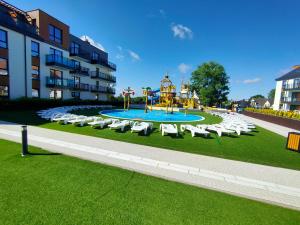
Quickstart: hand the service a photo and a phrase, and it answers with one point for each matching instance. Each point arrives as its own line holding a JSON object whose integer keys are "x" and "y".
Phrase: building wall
{"x": 277, "y": 98}
{"x": 20, "y": 76}
{"x": 43, "y": 20}
{"x": 16, "y": 63}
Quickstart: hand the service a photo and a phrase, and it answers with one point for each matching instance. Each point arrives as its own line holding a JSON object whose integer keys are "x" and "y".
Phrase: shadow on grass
{"x": 41, "y": 153}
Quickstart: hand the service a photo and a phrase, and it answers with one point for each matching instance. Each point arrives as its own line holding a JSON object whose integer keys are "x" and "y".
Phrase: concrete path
{"x": 269, "y": 184}
{"x": 278, "y": 129}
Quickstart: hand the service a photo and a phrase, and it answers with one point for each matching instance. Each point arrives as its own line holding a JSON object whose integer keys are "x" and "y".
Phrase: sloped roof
{"x": 261, "y": 101}
{"x": 293, "y": 74}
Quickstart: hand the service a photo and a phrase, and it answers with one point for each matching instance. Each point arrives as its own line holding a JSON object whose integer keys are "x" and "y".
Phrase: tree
{"x": 271, "y": 94}
{"x": 210, "y": 81}
{"x": 257, "y": 96}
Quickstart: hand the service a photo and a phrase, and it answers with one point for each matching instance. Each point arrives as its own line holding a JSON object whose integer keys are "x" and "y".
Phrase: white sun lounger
{"x": 219, "y": 130}
{"x": 168, "y": 129}
{"x": 141, "y": 126}
{"x": 64, "y": 119}
{"x": 78, "y": 120}
{"x": 237, "y": 128}
{"x": 194, "y": 130}
{"x": 120, "y": 125}
{"x": 100, "y": 122}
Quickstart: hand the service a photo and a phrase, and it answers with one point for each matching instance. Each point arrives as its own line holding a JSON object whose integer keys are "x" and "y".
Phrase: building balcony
{"x": 104, "y": 63}
{"x": 59, "y": 61}
{"x": 81, "y": 87}
{"x": 81, "y": 71}
{"x": 102, "y": 89}
{"x": 291, "y": 100}
{"x": 18, "y": 24}
{"x": 53, "y": 82}
{"x": 291, "y": 87}
{"x": 103, "y": 76}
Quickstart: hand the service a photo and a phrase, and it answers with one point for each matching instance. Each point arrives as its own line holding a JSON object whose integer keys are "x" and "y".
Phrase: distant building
{"x": 40, "y": 58}
{"x": 287, "y": 95}
{"x": 261, "y": 103}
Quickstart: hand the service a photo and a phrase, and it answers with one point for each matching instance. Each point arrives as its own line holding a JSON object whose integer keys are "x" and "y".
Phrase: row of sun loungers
{"x": 232, "y": 124}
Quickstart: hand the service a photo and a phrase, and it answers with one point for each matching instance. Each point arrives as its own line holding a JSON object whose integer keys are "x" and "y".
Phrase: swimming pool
{"x": 155, "y": 115}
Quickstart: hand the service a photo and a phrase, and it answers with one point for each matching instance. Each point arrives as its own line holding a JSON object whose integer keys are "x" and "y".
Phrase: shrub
{"x": 285, "y": 114}
{"x": 37, "y": 103}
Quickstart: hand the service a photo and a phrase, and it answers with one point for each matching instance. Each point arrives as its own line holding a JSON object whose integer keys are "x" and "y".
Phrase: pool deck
{"x": 263, "y": 183}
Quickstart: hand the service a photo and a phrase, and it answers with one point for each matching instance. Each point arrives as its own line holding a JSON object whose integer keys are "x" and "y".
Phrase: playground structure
{"x": 164, "y": 98}
{"x": 187, "y": 99}
{"x": 150, "y": 95}
{"x": 167, "y": 94}
{"x": 127, "y": 93}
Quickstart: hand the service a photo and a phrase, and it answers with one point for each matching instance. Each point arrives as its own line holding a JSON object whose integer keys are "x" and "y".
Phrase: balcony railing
{"x": 108, "y": 64}
{"x": 102, "y": 89}
{"x": 54, "y": 82}
{"x": 291, "y": 100}
{"x": 81, "y": 70}
{"x": 112, "y": 65}
{"x": 291, "y": 86}
{"x": 18, "y": 24}
{"x": 59, "y": 61}
{"x": 103, "y": 76}
{"x": 81, "y": 87}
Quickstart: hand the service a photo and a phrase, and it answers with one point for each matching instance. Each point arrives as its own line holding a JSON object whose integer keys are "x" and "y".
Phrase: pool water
{"x": 155, "y": 115}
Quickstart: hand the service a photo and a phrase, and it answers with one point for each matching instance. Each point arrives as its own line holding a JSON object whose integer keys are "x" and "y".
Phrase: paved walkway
{"x": 281, "y": 130}
{"x": 269, "y": 184}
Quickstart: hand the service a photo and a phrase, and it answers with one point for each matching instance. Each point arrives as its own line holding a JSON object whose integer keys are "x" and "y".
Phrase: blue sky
{"x": 256, "y": 41}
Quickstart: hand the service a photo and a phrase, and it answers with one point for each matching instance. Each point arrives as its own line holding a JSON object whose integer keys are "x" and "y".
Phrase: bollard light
{"x": 24, "y": 141}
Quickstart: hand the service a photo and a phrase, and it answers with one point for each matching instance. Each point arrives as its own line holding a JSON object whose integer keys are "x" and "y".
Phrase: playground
{"x": 162, "y": 104}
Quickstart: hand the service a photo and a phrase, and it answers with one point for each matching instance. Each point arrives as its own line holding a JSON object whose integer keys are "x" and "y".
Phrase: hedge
{"x": 285, "y": 114}
{"x": 37, "y": 103}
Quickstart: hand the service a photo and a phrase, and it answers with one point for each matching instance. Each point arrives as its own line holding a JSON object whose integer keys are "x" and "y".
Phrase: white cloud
{"x": 120, "y": 54}
{"x": 181, "y": 31}
{"x": 134, "y": 55}
{"x": 183, "y": 68}
{"x": 92, "y": 42}
{"x": 252, "y": 81}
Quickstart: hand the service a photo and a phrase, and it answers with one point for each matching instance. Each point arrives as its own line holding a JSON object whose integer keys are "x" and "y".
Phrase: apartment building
{"x": 39, "y": 58}
{"x": 287, "y": 95}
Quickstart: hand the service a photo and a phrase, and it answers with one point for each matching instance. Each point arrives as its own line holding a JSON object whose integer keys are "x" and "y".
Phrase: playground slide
{"x": 156, "y": 97}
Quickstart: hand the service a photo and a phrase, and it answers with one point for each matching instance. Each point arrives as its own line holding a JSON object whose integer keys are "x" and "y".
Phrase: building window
{"x": 95, "y": 56}
{"x": 54, "y": 51}
{"x": 4, "y": 91}
{"x": 35, "y": 49}
{"x": 76, "y": 64}
{"x": 56, "y": 73}
{"x": 74, "y": 48}
{"x": 75, "y": 94}
{"x": 3, "y": 39}
{"x": 55, "y": 94}
{"x": 55, "y": 34}
{"x": 35, "y": 93}
{"x": 3, "y": 67}
{"x": 35, "y": 71}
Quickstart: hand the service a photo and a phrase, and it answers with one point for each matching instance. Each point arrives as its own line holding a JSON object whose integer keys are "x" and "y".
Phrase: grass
{"x": 261, "y": 146}
{"x": 46, "y": 188}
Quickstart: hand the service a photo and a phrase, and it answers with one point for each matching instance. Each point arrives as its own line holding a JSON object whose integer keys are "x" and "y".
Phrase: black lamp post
{"x": 24, "y": 141}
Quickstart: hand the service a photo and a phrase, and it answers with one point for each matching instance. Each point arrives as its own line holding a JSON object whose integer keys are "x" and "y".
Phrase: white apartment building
{"x": 287, "y": 95}
{"x": 40, "y": 58}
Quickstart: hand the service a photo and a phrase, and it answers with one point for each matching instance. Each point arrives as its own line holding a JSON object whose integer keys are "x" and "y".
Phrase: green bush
{"x": 285, "y": 114}
{"x": 37, "y": 103}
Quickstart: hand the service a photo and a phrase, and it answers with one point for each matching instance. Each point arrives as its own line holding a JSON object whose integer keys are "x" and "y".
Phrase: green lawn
{"x": 46, "y": 188}
{"x": 261, "y": 146}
